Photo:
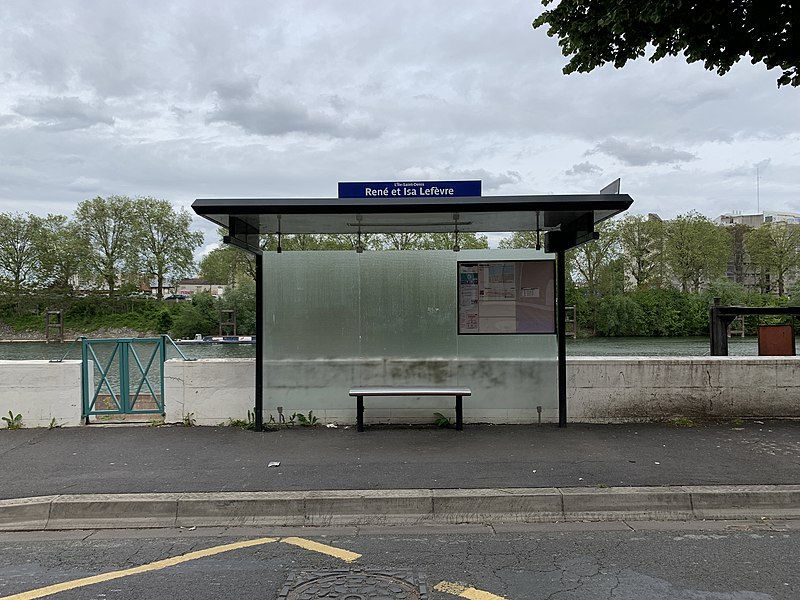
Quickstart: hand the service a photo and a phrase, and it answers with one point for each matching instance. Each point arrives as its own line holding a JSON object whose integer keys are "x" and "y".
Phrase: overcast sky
{"x": 186, "y": 99}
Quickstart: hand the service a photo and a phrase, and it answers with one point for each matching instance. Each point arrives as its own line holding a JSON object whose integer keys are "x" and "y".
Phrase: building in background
{"x": 190, "y": 286}
{"x": 740, "y": 268}
{"x": 758, "y": 219}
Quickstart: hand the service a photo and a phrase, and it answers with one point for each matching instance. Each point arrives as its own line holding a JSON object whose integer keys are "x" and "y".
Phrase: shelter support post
{"x": 561, "y": 312}
{"x": 260, "y": 341}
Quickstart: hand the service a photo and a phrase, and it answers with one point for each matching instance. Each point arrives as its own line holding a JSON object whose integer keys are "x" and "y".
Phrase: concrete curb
{"x": 399, "y": 507}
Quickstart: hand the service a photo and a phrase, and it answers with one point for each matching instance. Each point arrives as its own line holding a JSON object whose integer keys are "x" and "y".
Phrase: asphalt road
{"x": 208, "y": 459}
{"x": 715, "y": 561}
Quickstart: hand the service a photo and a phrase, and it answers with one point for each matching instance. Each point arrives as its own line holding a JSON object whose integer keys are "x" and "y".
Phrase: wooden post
{"x": 54, "y": 326}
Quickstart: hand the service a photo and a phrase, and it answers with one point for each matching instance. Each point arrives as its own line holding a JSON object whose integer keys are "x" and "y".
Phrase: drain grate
{"x": 350, "y": 584}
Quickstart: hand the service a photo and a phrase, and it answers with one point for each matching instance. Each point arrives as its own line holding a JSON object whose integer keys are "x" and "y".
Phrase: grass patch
{"x": 683, "y": 422}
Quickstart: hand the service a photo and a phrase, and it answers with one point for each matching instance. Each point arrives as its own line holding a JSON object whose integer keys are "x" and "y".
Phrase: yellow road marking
{"x": 456, "y": 589}
{"x": 154, "y": 566}
{"x": 344, "y": 555}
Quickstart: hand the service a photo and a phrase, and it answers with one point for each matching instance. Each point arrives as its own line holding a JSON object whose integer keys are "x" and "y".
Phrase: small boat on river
{"x": 217, "y": 339}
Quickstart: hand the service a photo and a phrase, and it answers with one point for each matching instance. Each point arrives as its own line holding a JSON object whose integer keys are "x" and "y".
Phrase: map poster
{"x": 506, "y": 297}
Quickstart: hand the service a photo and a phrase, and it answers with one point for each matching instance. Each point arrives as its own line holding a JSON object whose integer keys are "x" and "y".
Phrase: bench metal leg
{"x": 360, "y": 412}
{"x": 459, "y": 414}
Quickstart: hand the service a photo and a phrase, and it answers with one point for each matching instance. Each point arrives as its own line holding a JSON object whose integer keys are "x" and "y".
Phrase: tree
{"x": 18, "y": 256}
{"x": 719, "y": 33}
{"x": 445, "y": 241}
{"x": 590, "y": 259}
{"x": 523, "y": 239}
{"x": 775, "y": 249}
{"x": 430, "y": 241}
{"x": 403, "y": 241}
{"x": 242, "y": 299}
{"x": 739, "y": 264}
{"x": 62, "y": 252}
{"x": 166, "y": 245}
{"x": 641, "y": 243}
{"x": 593, "y": 264}
{"x": 226, "y": 265}
{"x": 697, "y": 250}
{"x": 107, "y": 225}
{"x": 200, "y": 316}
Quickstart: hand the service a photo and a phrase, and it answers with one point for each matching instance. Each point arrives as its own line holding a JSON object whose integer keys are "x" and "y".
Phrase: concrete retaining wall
{"x": 600, "y": 389}
{"x": 41, "y": 391}
{"x": 211, "y": 390}
{"x": 617, "y": 389}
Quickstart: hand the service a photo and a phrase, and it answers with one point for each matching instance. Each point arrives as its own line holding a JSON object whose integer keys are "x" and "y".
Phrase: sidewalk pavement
{"x": 389, "y": 475}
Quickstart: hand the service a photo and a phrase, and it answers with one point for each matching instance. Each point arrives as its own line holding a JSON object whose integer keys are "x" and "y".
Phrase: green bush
{"x": 164, "y": 321}
{"x": 619, "y": 315}
{"x": 200, "y": 316}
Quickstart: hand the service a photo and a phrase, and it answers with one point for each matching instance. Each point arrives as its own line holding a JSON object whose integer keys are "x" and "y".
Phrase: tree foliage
{"x": 717, "y": 33}
{"x": 589, "y": 259}
{"x": 523, "y": 239}
{"x": 698, "y": 250}
{"x": 163, "y": 243}
{"x": 226, "y": 265}
{"x": 775, "y": 251}
{"x": 739, "y": 256}
{"x": 62, "y": 252}
{"x": 200, "y": 316}
{"x": 18, "y": 255}
{"x": 242, "y": 299}
{"x": 107, "y": 227}
{"x": 642, "y": 247}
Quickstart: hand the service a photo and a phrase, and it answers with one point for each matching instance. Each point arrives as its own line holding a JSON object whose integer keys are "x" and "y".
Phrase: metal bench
{"x": 458, "y": 392}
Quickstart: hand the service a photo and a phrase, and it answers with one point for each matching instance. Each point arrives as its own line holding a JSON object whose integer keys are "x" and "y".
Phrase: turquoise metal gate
{"x": 123, "y": 376}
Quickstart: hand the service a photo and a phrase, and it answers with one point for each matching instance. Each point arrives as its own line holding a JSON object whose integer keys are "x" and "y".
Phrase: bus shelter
{"x": 479, "y": 294}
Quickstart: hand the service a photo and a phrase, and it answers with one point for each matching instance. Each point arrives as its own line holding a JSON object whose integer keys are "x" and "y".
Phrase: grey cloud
{"x": 239, "y": 89}
{"x": 84, "y": 184}
{"x": 275, "y": 117}
{"x": 64, "y": 113}
{"x": 490, "y": 181}
{"x": 584, "y": 168}
{"x": 179, "y": 112}
{"x": 641, "y": 154}
{"x": 763, "y": 164}
{"x": 445, "y": 98}
{"x": 749, "y": 169}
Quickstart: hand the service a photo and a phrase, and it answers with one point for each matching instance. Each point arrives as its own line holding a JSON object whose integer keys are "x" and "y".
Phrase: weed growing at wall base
{"x": 250, "y": 423}
{"x": 13, "y": 421}
{"x": 306, "y": 421}
{"x": 440, "y": 420}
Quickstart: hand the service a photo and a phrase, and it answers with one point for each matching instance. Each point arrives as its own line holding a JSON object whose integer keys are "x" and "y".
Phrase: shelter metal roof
{"x": 573, "y": 216}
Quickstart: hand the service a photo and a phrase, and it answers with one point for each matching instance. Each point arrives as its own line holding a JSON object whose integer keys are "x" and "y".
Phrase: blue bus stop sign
{"x": 407, "y": 189}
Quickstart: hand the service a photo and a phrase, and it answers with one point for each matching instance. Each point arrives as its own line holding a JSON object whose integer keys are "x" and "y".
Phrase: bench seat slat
{"x": 410, "y": 391}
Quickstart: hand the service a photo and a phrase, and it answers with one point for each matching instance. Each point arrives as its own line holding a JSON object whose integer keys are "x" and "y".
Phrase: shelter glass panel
{"x": 380, "y": 304}
{"x": 311, "y": 305}
{"x": 336, "y": 320}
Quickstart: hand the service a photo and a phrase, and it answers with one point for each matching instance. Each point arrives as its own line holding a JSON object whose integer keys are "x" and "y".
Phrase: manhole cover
{"x": 346, "y": 584}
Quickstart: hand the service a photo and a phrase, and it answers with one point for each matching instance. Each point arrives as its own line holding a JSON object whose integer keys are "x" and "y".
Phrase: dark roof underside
{"x": 412, "y": 215}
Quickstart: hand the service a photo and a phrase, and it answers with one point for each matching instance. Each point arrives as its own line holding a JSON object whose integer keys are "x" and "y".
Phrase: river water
{"x": 634, "y": 346}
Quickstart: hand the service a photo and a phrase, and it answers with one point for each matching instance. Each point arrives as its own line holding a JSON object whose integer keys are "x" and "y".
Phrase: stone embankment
{"x": 7, "y": 334}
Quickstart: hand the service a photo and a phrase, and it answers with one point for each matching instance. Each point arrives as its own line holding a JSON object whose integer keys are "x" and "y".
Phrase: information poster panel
{"x": 502, "y": 297}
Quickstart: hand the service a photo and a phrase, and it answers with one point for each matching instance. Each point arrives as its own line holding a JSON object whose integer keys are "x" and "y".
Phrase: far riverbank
{"x": 630, "y": 346}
